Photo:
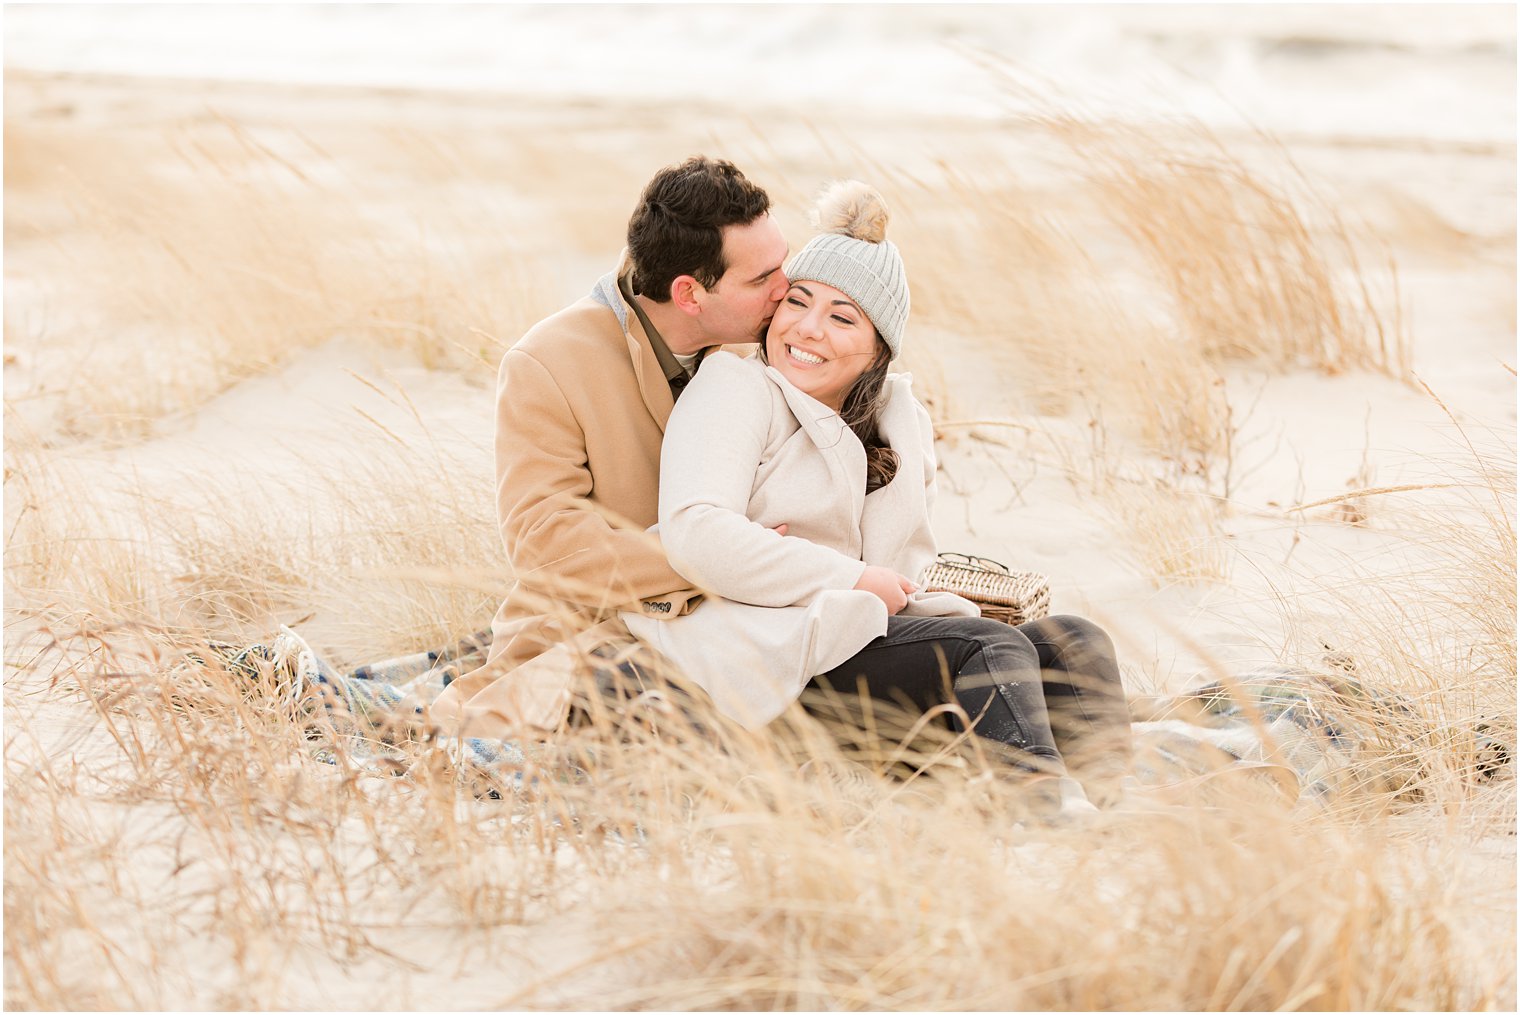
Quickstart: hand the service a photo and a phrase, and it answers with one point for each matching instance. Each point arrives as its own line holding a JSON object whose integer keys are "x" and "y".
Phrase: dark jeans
{"x": 1050, "y": 688}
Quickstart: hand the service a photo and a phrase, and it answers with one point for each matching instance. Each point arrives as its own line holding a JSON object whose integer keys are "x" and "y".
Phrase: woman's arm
{"x": 711, "y": 453}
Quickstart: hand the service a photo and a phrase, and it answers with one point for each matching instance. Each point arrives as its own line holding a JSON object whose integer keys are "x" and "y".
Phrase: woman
{"x": 815, "y": 434}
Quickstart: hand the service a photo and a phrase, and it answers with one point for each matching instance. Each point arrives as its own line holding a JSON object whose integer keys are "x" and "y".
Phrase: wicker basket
{"x": 1014, "y": 597}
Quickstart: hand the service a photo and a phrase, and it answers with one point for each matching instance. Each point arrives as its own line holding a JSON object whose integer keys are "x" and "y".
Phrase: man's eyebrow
{"x": 765, "y": 275}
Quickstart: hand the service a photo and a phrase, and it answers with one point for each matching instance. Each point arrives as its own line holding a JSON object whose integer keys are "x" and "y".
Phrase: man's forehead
{"x": 757, "y": 244}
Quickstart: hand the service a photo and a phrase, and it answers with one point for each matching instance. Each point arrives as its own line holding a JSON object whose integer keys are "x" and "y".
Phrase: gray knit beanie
{"x": 853, "y": 255}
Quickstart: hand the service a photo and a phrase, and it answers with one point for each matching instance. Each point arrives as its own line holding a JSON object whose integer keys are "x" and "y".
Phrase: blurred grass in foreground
{"x": 191, "y": 852}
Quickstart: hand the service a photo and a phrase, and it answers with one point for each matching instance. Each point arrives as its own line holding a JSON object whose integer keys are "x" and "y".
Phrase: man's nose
{"x": 780, "y": 288}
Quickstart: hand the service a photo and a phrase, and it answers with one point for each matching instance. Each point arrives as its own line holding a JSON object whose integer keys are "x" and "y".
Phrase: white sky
{"x": 1398, "y": 70}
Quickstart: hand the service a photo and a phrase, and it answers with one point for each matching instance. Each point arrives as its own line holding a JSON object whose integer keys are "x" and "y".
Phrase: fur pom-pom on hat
{"x": 852, "y": 208}
{"x": 853, "y": 254}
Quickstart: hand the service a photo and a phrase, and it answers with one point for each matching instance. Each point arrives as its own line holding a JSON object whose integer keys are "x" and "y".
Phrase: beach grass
{"x": 179, "y": 833}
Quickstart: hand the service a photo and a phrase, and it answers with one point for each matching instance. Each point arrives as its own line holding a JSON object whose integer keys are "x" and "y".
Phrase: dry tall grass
{"x": 173, "y": 840}
{"x": 1254, "y": 269}
{"x": 240, "y": 552}
{"x": 710, "y": 875}
{"x": 208, "y": 256}
{"x": 1432, "y": 616}
{"x": 1124, "y": 300}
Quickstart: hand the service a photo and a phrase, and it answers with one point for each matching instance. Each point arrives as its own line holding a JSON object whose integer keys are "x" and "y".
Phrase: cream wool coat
{"x": 746, "y": 451}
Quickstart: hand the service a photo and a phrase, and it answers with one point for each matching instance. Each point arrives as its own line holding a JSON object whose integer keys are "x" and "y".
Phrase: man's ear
{"x": 686, "y": 294}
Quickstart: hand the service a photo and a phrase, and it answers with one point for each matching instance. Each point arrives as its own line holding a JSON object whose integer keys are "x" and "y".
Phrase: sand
{"x": 322, "y": 417}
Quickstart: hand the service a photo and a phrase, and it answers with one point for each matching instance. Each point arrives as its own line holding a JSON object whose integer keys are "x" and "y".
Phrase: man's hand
{"x": 888, "y": 586}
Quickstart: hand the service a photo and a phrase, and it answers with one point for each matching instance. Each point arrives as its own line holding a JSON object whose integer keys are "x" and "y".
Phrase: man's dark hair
{"x": 677, "y": 228}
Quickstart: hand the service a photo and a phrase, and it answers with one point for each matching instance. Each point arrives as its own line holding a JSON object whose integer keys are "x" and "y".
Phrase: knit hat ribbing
{"x": 855, "y": 257}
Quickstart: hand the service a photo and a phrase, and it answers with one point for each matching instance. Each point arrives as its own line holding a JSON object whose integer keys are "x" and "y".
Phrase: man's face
{"x": 739, "y": 308}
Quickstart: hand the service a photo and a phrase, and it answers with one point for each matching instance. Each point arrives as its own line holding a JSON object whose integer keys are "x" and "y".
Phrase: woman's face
{"x": 820, "y": 341}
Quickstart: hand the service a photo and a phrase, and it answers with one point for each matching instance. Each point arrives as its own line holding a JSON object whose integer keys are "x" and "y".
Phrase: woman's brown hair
{"x": 861, "y": 412}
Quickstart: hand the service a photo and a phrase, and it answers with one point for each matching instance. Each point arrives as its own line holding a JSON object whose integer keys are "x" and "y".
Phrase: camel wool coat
{"x": 581, "y": 408}
{"x": 745, "y": 451}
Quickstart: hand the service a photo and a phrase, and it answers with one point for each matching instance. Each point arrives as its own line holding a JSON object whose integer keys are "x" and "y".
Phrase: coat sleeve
{"x": 560, "y": 544}
{"x": 917, "y": 549}
{"x": 712, "y": 451}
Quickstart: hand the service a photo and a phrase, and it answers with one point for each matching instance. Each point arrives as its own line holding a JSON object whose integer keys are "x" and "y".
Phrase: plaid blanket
{"x": 368, "y": 715}
{"x": 1333, "y": 731}
{"x": 1320, "y": 734}
{"x": 372, "y": 716}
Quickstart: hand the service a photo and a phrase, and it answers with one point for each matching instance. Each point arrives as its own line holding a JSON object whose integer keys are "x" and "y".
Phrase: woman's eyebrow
{"x": 832, "y": 303}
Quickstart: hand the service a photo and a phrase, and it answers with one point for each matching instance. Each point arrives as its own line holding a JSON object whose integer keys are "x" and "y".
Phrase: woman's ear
{"x": 686, "y": 294}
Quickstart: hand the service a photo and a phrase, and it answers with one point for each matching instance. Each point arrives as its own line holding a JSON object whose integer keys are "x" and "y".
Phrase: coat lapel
{"x": 840, "y": 448}
{"x": 654, "y": 389}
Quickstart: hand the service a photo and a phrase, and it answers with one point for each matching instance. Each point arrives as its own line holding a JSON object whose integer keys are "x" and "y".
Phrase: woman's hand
{"x": 888, "y": 586}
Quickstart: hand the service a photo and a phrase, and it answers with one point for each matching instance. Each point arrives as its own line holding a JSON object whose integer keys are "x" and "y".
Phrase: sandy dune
{"x": 250, "y": 338}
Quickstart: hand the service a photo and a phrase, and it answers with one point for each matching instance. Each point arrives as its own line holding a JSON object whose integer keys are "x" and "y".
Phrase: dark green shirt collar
{"x": 675, "y": 374}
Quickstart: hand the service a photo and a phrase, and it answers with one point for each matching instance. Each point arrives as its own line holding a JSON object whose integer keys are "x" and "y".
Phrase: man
{"x": 582, "y": 401}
